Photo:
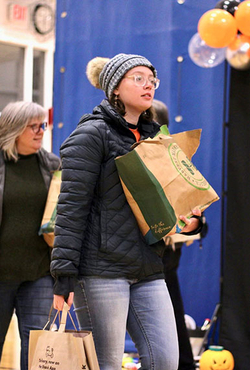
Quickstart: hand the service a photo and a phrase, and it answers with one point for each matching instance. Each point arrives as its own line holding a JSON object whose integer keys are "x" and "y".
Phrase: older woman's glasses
{"x": 36, "y": 127}
{"x": 140, "y": 80}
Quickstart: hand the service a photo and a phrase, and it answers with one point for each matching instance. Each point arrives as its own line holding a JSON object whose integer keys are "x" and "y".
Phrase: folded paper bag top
{"x": 161, "y": 183}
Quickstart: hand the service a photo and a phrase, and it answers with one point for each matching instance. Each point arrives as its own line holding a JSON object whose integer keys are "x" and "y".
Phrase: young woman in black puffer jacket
{"x": 100, "y": 256}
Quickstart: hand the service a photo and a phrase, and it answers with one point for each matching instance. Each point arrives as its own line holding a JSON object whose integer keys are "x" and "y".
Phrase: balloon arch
{"x": 223, "y": 34}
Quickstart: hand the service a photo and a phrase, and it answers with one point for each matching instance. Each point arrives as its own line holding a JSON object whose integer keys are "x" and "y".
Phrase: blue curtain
{"x": 159, "y": 30}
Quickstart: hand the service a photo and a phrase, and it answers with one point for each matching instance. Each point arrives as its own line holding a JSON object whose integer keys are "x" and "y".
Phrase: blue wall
{"x": 159, "y": 30}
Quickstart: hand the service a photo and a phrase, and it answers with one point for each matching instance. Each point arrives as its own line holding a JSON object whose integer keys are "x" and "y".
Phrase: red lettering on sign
{"x": 19, "y": 12}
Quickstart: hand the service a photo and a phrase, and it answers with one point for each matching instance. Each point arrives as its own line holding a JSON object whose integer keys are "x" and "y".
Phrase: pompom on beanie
{"x": 105, "y": 74}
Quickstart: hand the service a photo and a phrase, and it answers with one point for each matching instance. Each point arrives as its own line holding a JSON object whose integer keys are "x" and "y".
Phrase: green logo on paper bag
{"x": 186, "y": 168}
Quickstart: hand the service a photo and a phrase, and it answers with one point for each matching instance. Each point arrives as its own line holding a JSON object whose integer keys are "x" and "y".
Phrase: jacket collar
{"x": 106, "y": 112}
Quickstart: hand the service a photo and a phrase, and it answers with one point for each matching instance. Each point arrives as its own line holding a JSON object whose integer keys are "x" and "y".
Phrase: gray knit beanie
{"x": 106, "y": 73}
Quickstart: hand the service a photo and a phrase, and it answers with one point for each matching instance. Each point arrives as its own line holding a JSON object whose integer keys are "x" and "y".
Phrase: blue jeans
{"x": 32, "y": 301}
{"x": 108, "y": 307}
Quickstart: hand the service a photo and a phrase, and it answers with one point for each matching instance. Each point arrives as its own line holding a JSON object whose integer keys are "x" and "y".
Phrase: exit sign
{"x": 18, "y": 13}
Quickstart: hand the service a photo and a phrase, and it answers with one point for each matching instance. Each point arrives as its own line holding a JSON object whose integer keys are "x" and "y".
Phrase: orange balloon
{"x": 242, "y": 17}
{"x": 244, "y": 38}
{"x": 235, "y": 44}
{"x": 217, "y": 28}
{"x": 238, "y": 41}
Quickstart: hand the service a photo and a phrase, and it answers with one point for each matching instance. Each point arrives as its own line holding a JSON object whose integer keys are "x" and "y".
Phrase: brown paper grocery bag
{"x": 49, "y": 216}
{"x": 62, "y": 349}
{"x": 161, "y": 183}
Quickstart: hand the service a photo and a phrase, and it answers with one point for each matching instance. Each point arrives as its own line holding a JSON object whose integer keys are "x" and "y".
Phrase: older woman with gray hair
{"x": 26, "y": 285}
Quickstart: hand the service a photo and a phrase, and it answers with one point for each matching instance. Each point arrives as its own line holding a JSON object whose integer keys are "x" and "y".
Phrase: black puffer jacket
{"x": 96, "y": 231}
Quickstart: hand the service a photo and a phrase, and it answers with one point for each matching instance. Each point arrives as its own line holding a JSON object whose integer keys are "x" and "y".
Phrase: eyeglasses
{"x": 36, "y": 127}
{"x": 140, "y": 80}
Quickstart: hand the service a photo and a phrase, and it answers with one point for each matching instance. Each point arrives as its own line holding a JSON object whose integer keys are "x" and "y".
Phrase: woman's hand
{"x": 59, "y": 301}
{"x": 191, "y": 223}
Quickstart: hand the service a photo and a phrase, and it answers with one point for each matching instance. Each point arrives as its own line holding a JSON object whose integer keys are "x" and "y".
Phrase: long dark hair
{"x": 118, "y": 105}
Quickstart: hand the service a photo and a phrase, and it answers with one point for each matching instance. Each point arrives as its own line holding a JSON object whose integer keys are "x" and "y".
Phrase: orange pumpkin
{"x": 216, "y": 358}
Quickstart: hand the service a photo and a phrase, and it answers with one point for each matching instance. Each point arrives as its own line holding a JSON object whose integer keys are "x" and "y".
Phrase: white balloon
{"x": 203, "y": 55}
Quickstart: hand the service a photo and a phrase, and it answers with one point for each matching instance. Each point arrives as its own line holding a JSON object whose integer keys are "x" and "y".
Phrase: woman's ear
{"x": 116, "y": 92}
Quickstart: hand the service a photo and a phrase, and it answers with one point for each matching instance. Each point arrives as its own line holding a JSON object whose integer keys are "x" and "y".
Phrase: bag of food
{"x": 161, "y": 183}
{"x": 62, "y": 349}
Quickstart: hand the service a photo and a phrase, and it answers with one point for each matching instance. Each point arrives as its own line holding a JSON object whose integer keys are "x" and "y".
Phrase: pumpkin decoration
{"x": 216, "y": 358}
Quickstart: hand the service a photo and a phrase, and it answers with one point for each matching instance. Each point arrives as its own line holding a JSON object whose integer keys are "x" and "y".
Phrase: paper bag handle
{"x": 65, "y": 313}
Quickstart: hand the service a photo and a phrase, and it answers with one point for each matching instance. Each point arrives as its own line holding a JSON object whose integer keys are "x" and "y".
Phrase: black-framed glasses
{"x": 140, "y": 80}
{"x": 36, "y": 127}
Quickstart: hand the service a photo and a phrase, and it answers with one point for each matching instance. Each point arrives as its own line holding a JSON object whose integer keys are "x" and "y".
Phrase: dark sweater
{"x": 24, "y": 256}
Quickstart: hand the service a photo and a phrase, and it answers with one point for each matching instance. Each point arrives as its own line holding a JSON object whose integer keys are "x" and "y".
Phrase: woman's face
{"x": 136, "y": 98}
{"x": 30, "y": 141}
